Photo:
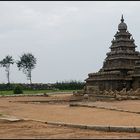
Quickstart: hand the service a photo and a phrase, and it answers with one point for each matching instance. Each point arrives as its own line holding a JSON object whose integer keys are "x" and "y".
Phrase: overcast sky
{"x": 69, "y": 39}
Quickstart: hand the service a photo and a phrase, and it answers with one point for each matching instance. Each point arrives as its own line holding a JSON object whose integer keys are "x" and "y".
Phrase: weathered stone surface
{"x": 86, "y": 96}
{"x": 111, "y": 93}
{"x": 98, "y": 127}
{"x": 121, "y": 129}
{"x": 137, "y": 129}
{"x": 106, "y": 92}
{"x": 118, "y": 97}
{"x": 137, "y": 91}
{"x": 121, "y": 67}
{"x": 130, "y": 92}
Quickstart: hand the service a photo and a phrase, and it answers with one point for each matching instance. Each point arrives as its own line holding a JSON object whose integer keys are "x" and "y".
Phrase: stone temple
{"x": 121, "y": 67}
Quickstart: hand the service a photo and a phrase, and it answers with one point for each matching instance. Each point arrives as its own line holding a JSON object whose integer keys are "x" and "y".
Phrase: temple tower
{"x": 123, "y": 55}
{"x": 121, "y": 66}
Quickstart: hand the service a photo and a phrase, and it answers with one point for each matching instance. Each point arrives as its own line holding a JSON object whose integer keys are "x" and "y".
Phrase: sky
{"x": 69, "y": 39}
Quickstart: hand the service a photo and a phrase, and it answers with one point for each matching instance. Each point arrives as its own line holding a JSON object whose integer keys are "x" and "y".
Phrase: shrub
{"x": 18, "y": 89}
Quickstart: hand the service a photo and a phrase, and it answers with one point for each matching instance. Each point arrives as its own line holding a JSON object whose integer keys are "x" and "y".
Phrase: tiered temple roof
{"x": 121, "y": 63}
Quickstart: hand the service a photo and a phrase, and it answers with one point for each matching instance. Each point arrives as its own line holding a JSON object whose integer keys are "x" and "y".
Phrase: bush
{"x": 18, "y": 90}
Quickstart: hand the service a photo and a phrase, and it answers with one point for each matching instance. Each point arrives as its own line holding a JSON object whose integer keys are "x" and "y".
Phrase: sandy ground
{"x": 63, "y": 113}
{"x": 130, "y": 105}
{"x": 37, "y": 130}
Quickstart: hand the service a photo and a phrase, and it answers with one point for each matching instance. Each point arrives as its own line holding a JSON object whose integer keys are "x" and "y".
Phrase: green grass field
{"x": 10, "y": 92}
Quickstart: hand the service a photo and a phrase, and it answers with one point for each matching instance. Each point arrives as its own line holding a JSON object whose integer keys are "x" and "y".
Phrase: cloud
{"x": 70, "y": 39}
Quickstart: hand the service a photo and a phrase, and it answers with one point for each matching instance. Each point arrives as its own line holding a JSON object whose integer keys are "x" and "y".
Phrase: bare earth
{"x": 61, "y": 112}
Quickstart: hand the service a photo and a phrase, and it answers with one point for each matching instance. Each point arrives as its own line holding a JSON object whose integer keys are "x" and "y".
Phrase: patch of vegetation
{"x": 10, "y": 92}
{"x": 69, "y": 85}
{"x": 18, "y": 90}
{"x": 64, "y": 85}
{"x": 36, "y": 88}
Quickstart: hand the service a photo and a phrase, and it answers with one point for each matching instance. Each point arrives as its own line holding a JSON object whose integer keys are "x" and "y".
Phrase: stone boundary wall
{"x": 106, "y": 128}
{"x": 39, "y": 94}
{"x": 132, "y": 129}
{"x": 21, "y": 95}
{"x": 101, "y": 107}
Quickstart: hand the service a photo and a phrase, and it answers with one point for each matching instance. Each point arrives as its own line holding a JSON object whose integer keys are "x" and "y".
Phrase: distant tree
{"x": 6, "y": 62}
{"x": 27, "y": 63}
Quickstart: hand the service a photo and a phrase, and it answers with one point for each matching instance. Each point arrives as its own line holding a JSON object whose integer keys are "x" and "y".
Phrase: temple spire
{"x": 122, "y": 20}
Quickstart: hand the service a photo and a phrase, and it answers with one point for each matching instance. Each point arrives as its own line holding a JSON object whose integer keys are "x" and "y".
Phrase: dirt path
{"x": 64, "y": 113}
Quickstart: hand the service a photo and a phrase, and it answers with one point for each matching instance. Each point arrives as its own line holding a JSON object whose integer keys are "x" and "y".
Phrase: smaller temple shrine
{"x": 121, "y": 67}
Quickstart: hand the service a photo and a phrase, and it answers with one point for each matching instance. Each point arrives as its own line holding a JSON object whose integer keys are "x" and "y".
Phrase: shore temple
{"x": 121, "y": 67}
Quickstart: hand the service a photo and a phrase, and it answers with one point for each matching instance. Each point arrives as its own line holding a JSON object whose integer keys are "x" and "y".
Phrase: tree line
{"x": 26, "y": 63}
{"x": 65, "y": 85}
{"x": 69, "y": 85}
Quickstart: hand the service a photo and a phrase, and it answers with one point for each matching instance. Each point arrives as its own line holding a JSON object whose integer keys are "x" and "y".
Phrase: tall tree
{"x": 27, "y": 63}
{"x": 6, "y": 62}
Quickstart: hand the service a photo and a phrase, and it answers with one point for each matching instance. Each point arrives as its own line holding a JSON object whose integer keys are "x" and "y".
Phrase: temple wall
{"x": 136, "y": 83}
{"x": 111, "y": 84}
{"x": 120, "y": 63}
